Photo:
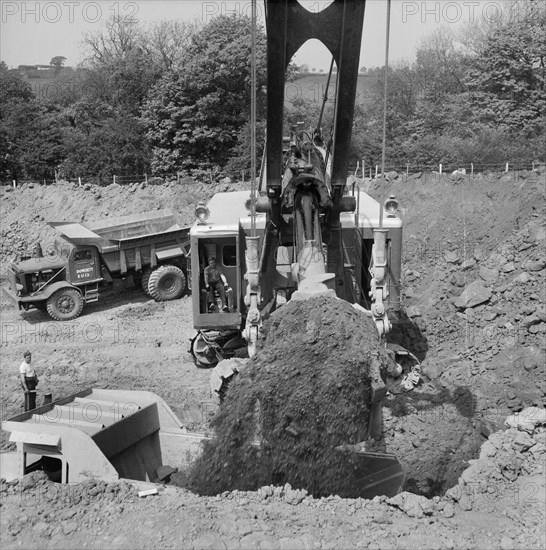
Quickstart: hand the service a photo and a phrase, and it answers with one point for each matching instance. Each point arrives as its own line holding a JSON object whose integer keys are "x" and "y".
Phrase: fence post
{"x": 370, "y": 172}
{"x": 79, "y": 181}
{"x": 376, "y": 169}
{"x": 114, "y": 179}
{"x": 14, "y": 184}
{"x": 533, "y": 166}
{"x": 145, "y": 178}
{"x": 506, "y": 169}
{"x": 177, "y": 177}
{"x": 363, "y": 169}
{"x": 407, "y": 169}
{"x": 472, "y": 170}
{"x": 440, "y": 169}
{"x": 356, "y": 169}
{"x": 243, "y": 175}
{"x": 210, "y": 175}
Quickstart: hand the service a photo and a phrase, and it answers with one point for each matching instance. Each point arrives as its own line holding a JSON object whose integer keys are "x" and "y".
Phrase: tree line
{"x": 175, "y": 96}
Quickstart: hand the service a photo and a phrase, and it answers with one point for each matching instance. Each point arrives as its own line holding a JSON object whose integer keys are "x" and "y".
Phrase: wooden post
{"x": 79, "y": 181}
{"x": 14, "y": 184}
{"x": 363, "y": 168}
{"x": 114, "y": 179}
{"x": 506, "y": 170}
{"x": 440, "y": 171}
{"x": 376, "y": 170}
{"x": 356, "y": 169}
{"x": 472, "y": 170}
{"x": 533, "y": 166}
{"x": 177, "y": 177}
{"x": 210, "y": 175}
{"x": 243, "y": 176}
{"x": 407, "y": 169}
{"x": 370, "y": 172}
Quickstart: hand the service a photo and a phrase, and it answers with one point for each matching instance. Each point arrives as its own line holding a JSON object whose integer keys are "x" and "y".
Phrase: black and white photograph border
{"x": 363, "y": 366}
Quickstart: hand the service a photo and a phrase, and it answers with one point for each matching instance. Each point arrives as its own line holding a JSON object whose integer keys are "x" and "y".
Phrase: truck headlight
{"x": 391, "y": 207}
{"x": 202, "y": 213}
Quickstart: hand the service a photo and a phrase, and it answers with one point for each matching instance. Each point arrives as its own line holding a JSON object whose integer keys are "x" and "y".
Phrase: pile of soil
{"x": 308, "y": 390}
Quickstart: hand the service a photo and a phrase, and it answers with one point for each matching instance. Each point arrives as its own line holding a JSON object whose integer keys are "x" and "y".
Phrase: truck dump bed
{"x": 108, "y": 233}
{"x": 133, "y": 241}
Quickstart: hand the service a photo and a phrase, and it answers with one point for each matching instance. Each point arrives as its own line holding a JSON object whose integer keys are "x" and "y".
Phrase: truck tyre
{"x": 167, "y": 282}
{"x": 145, "y": 280}
{"x": 65, "y": 304}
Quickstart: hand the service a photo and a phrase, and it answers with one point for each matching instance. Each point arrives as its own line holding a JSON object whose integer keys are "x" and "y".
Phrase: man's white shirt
{"x": 27, "y": 369}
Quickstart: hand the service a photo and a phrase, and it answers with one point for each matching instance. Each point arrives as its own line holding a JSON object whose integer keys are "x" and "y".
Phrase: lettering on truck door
{"x": 83, "y": 266}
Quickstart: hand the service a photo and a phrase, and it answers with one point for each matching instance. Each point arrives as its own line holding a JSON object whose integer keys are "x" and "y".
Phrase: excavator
{"x": 304, "y": 231}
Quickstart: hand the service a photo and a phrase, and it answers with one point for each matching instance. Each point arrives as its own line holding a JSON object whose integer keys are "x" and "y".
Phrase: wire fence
{"x": 361, "y": 170}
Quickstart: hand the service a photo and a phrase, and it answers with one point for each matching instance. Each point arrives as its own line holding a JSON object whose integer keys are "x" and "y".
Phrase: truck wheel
{"x": 145, "y": 280}
{"x": 65, "y": 304}
{"x": 167, "y": 282}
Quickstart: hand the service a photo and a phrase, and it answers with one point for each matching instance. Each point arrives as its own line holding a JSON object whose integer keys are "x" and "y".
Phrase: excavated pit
{"x": 311, "y": 385}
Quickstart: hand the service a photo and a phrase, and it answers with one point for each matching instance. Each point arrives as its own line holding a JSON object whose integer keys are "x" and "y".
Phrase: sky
{"x": 33, "y": 32}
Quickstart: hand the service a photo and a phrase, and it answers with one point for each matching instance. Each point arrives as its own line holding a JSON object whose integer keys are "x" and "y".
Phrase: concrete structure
{"x": 106, "y": 434}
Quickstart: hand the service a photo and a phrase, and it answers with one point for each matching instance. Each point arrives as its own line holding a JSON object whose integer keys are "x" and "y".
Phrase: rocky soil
{"x": 474, "y": 267}
{"x": 497, "y": 503}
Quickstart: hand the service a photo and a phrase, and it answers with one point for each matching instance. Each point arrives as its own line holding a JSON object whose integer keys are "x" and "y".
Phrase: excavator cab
{"x": 218, "y": 332}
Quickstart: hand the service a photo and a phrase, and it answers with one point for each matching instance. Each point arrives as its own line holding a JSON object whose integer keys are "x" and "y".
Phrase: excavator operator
{"x": 215, "y": 280}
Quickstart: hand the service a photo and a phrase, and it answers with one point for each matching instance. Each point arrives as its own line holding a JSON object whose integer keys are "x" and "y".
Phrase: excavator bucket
{"x": 378, "y": 474}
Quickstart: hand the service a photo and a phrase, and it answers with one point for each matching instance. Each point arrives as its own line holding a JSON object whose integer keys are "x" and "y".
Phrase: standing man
{"x": 29, "y": 381}
{"x": 215, "y": 280}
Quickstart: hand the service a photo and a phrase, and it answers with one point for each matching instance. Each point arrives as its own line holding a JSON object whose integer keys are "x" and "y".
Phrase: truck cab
{"x": 84, "y": 266}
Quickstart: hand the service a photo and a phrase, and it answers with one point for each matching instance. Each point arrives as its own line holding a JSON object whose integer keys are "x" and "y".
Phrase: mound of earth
{"x": 308, "y": 390}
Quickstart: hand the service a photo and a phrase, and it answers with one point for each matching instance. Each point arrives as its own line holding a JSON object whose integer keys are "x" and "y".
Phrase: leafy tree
{"x": 57, "y": 62}
{"x": 30, "y": 137}
{"x": 194, "y": 117}
{"x": 169, "y": 42}
{"x": 12, "y": 86}
{"x": 32, "y": 141}
{"x": 123, "y": 59}
{"x": 507, "y": 78}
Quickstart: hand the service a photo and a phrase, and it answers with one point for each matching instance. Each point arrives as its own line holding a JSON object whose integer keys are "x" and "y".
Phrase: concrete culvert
{"x": 307, "y": 391}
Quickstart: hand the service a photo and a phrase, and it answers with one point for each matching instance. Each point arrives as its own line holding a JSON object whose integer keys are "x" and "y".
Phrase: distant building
{"x": 42, "y": 78}
{"x": 37, "y": 71}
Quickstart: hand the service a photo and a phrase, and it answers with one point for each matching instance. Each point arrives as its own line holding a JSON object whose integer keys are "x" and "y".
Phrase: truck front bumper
{"x": 12, "y": 296}
{"x": 23, "y": 302}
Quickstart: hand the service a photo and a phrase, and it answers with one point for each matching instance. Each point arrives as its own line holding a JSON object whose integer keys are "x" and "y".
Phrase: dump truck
{"x": 151, "y": 248}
